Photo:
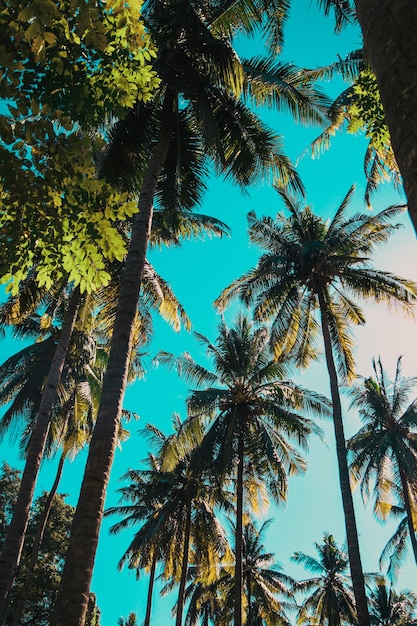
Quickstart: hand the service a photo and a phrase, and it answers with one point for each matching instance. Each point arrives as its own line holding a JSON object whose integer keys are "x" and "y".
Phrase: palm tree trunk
{"x": 239, "y": 534}
{"x": 27, "y": 584}
{"x": 184, "y": 566}
{"x": 389, "y": 30}
{"x": 12, "y": 548}
{"x": 349, "y": 512}
{"x": 408, "y": 510}
{"x": 72, "y": 601}
{"x": 150, "y": 591}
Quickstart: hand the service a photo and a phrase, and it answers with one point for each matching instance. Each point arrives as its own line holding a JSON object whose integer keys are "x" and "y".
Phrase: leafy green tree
{"x": 311, "y": 266}
{"x": 389, "y": 608}
{"x": 47, "y": 576}
{"x": 330, "y": 599}
{"x": 252, "y": 410}
{"x": 62, "y": 75}
{"x": 384, "y": 450}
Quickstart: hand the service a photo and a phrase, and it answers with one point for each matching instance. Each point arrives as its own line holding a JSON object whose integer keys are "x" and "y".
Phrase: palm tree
{"x": 175, "y": 506}
{"x": 267, "y": 590}
{"x": 130, "y": 620}
{"x": 330, "y": 600}
{"x": 252, "y": 416}
{"x": 70, "y": 410}
{"x": 10, "y": 555}
{"x": 384, "y": 450}
{"x": 197, "y": 114}
{"x": 388, "y": 608}
{"x": 263, "y": 581}
{"x": 312, "y": 266}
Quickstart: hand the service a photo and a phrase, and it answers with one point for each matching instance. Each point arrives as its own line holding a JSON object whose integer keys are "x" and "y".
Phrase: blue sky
{"x": 197, "y": 273}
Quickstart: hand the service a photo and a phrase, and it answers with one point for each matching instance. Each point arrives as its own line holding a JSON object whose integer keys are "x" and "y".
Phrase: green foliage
{"x": 74, "y": 59}
{"x": 48, "y": 572}
{"x": 366, "y": 111}
{"x": 65, "y": 67}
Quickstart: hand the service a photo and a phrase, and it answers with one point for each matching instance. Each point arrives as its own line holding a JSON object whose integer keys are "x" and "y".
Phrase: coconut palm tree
{"x": 175, "y": 506}
{"x": 196, "y": 110}
{"x": 312, "y": 268}
{"x": 130, "y": 620}
{"x": 24, "y": 374}
{"x": 389, "y": 608}
{"x": 384, "y": 450}
{"x": 330, "y": 597}
{"x": 267, "y": 590}
{"x": 251, "y": 407}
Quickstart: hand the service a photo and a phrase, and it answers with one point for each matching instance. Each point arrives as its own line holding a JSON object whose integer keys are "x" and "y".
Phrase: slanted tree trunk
{"x": 40, "y": 531}
{"x": 408, "y": 510}
{"x": 184, "y": 566}
{"x": 239, "y": 533}
{"x": 389, "y": 30}
{"x": 150, "y": 591}
{"x": 349, "y": 512}
{"x": 71, "y": 605}
{"x": 12, "y": 548}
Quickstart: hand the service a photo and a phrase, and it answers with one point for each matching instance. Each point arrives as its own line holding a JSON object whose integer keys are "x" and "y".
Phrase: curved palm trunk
{"x": 40, "y": 531}
{"x": 389, "y": 30}
{"x": 349, "y": 512}
{"x": 184, "y": 566}
{"x": 150, "y": 591}
{"x": 239, "y": 535}
{"x": 72, "y": 601}
{"x": 12, "y": 549}
{"x": 408, "y": 510}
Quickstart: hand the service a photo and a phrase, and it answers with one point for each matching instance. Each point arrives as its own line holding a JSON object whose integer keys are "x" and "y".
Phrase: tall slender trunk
{"x": 184, "y": 566}
{"x": 150, "y": 591}
{"x": 239, "y": 533}
{"x": 12, "y": 548}
{"x": 40, "y": 531}
{"x": 349, "y": 512}
{"x": 71, "y": 605}
{"x": 408, "y": 510}
{"x": 389, "y": 30}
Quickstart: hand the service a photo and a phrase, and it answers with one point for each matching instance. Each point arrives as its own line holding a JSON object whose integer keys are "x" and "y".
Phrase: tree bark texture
{"x": 408, "y": 509}
{"x": 347, "y": 500}
{"x": 71, "y": 606}
{"x": 389, "y": 30}
{"x": 12, "y": 549}
{"x": 184, "y": 566}
{"x": 150, "y": 591}
{"x": 239, "y": 533}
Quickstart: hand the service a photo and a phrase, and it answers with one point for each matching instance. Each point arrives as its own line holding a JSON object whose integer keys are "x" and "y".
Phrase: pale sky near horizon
{"x": 198, "y": 273}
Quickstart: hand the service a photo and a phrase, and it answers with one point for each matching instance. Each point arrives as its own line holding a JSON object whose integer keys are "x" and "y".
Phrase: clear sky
{"x": 197, "y": 273}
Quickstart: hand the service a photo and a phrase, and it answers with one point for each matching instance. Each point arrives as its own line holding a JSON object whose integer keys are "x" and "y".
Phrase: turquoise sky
{"x": 197, "y": 273}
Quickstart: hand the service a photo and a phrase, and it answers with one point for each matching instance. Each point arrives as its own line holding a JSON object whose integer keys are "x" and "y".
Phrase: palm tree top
{"x": 306, "y": 260}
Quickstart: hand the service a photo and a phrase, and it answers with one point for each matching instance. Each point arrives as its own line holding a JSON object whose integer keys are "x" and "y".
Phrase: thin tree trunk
{"x": 239, "y": 534}
{"x": 150, "y": 591}
{"x": 408, "y": 510}
{"x": 40, "y": 531}
{"x": 349, "y": 512}
{"x": 12, "y": 548}
{"x": 71, "y": 605}
{"x": 184, "y": 566}
{"x": 389, "y": 30}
